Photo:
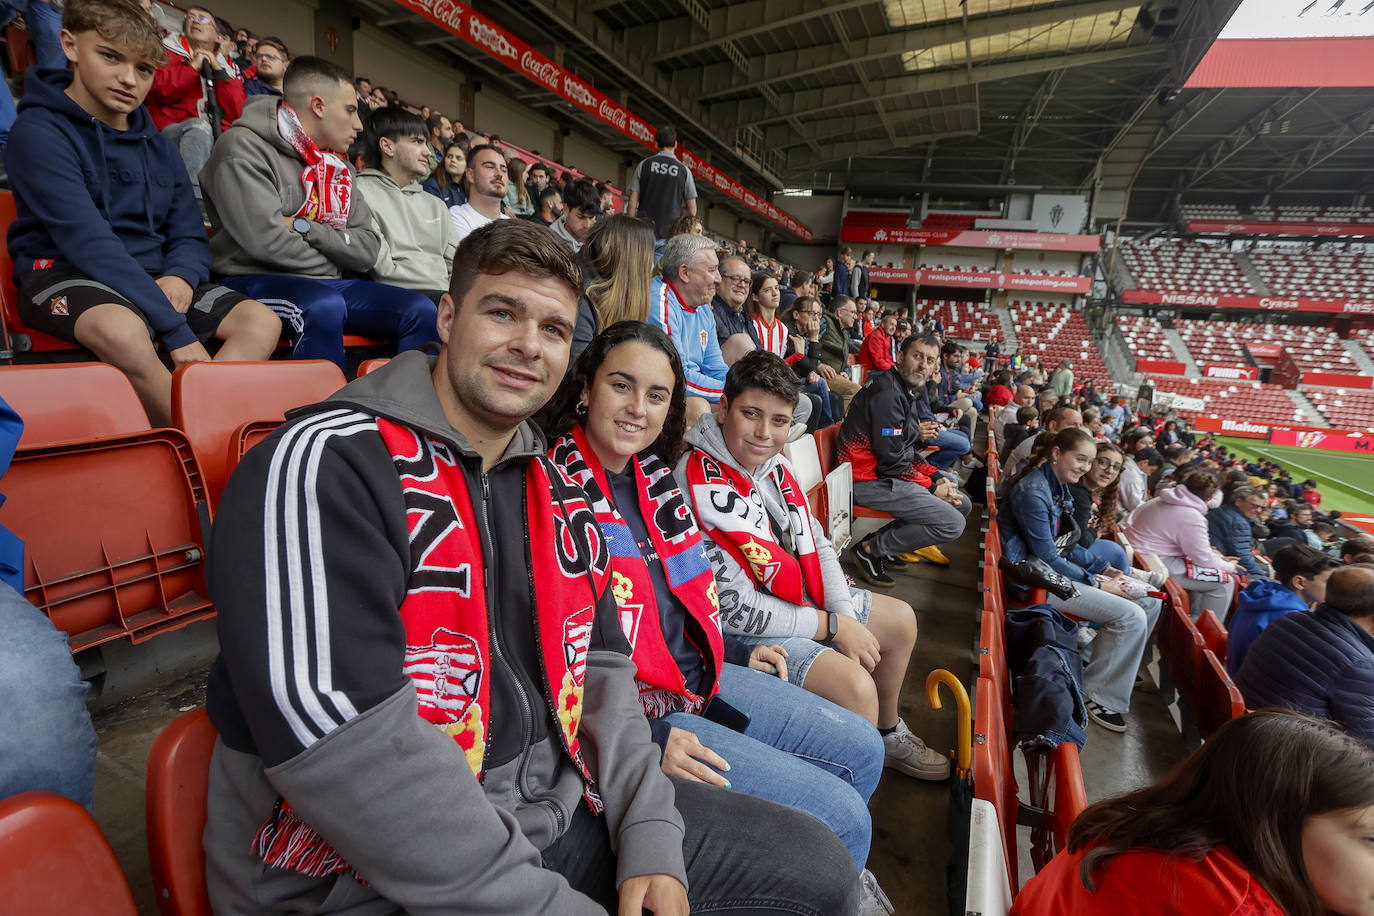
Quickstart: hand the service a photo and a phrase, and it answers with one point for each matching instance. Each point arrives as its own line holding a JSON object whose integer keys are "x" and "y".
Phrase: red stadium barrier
{"x": 1161, "y": 367}
{"x": 1338, "y": 380}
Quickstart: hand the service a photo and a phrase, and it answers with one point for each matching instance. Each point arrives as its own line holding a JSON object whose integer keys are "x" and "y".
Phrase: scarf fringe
{"x": 286, "y": 841}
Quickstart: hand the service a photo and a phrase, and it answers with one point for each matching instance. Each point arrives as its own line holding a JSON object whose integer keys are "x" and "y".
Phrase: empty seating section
{"x": 1280, "y": 214}
{"x": 962, "y": 320}
{"x": 1344, "y": 408}
{"x": 1049, "y": 332}
{"x": 1145, "y": 337}
{"x": 955, "y": 221}
{"x": 1179, "y": 266}
{"x": 1224, "y": 398}
{"x": 1321, "y": 273}
{"x": 1314, "y": 349}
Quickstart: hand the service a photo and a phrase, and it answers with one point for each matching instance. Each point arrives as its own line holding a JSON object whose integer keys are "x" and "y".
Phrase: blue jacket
{"x": 1259, "y": 604}
{"x": 1031, "y": 519}
{"x": 453, "y": 197}
{"x": 1232, "y": 535}
{"x": 115, "y": 205}
{"x": 1320, "y": 663}
{"x": 693, "y": 330}
{"x": 730, "y": 322}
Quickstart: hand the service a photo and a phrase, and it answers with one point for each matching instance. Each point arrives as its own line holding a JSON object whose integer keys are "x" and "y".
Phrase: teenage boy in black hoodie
{"x": 109, "y": 250}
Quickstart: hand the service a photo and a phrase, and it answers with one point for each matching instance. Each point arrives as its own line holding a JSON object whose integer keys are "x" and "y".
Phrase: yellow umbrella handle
{"x": 933, "y": 681}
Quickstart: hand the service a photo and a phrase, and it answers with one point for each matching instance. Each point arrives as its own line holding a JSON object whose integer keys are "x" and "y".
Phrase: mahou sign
{"x": 489, "y": 38}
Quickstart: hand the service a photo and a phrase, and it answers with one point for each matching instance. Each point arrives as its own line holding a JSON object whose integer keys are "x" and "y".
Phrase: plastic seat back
{"x": 994, "y": 779}
{"x": 210, "y": 401}
{"x": 806, "y": 462}
{"x": 22, "y": 339}
{"x": 177, "y": 783}
{"x": 370, "y": 365}
{"x": 1219, "y": 699}
{"x": 1213, "y": 633}
{"x": 54, "y": 861}
{"x": 68, "y": 402}
{"x": 839, "y": 502}
{"x": 827, "y": 446}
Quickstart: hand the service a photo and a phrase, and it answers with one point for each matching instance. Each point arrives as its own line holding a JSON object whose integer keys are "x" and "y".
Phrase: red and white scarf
{"x": 675, "y": 536}
{"x": 733, "y": 516}
{"x": 444, "y": 613}
{"x": 326, "y": 178}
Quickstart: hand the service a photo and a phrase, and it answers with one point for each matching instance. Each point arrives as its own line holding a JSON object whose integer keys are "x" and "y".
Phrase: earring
{"x": 581, "y": 408}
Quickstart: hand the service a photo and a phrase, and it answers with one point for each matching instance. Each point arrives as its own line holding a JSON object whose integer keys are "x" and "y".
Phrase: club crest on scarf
{"x": 326, "y": 179}
{"x": 447, "y": 675}
{"x": 577, "y": 636}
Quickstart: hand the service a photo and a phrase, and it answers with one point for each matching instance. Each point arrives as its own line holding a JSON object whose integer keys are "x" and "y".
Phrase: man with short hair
{"x": 453, "y": 725}
{"x": 834, "y": 349}
{"x": 486, "y": 181}
{"x": 289, "y": 225}
{"x": 679, "y": 303}
{"x": 1320, "y": 663}
{"x": 1231, "y": 532}
{"x": 735, "y": 332}
{"x": 662, "y": 186}
{"x": 1024, "y": 397}
{"x": 581, "y": 207}
{"x": 269, "y": 60}
{"x": 1051, "y": 422}
{"x": 889, "y": 422}
{"x": 418, "y": 238}
{"x": 802, "y": 285}
{"x": 1134, "y": 487}
{"x": 537, "y": 179}
{"x": 1062, "y": 380}
{"x": 440, "y": 134}
{"x": 1352, "y": 548}
{"x": 1300, "y": 577}
{"x": 550, "y": 206}
{"x": 363, "y": 87}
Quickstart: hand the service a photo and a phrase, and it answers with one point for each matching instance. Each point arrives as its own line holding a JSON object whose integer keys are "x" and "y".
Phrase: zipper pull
{"x": 486, "y": 491}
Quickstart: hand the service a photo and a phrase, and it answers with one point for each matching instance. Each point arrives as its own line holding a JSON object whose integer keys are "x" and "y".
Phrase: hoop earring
{"x": 581, "y": 409}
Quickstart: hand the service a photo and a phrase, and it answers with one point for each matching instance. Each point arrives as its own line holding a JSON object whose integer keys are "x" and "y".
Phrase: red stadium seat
{"x": 827, "y": 445}
{"x": 66, "y": 402}
{"x": 54, "y": 861}
{"x": 1213, "y": 633}
{"x": 1219, "y": 700}
{"x": 18, "y": 337}
{"x": 994, "y": 778}
{"x": 368, "y": 365}
{"x": 177, "y": 783}
{"x": 211, "y": 401}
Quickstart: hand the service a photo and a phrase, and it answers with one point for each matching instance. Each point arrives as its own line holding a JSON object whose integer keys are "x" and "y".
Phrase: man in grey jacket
{"x": 290, "y": 222}
{"x": 424, "y": 699}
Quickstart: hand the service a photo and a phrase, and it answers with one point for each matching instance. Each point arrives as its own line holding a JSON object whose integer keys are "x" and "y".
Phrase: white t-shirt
{"x": 466, "y": 219}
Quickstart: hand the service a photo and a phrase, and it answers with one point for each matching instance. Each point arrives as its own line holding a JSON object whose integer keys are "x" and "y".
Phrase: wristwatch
{"x": 301, "y": 225}
{"x": 832, "y": 625}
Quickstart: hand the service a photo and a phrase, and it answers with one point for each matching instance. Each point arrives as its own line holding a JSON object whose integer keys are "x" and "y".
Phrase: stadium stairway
{"x": 1181, "y": 352}
{"x": 1314, "y": 416}
{"x": 1360, "y": 357}
{"x": 1247, "y": 267}
{"x": 1011, "y": 343}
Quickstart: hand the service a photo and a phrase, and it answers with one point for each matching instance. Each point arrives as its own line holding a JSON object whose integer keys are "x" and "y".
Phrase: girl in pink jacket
{"x": 1173, "y": 526}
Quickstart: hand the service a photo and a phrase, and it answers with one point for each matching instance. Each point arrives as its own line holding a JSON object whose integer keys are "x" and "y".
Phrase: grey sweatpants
{"x": 922, "y": 519}
{"x": 1202, "y": 596}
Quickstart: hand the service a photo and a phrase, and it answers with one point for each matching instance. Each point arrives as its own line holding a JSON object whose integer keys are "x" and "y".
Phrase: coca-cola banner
{"x": 1161, "y": 367}
{"x": 977, "y": 279}
{"x": 1263, "y": 350}
{"x": 969, "y": 238}
{"x": 1242, "y": 373}
{"x": 491, "y": 39}
{"x": 1245, "y": 228}
{"x": 1330, "y": 440}
{"x": 1268, "y": 303}
{"x": 1338, "y": 380}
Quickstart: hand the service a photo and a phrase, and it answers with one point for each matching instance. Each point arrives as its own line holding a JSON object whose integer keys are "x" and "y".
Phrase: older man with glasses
{"x": 1232, "y": 533}
{"x": 734, "y": 330}
{"x": 833, "y": 352}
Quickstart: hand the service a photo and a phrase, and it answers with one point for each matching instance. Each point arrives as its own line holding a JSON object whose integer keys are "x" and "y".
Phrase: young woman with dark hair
{"x": 1273, "y": 816}
{"x": 446, "y": 182}
{"x": 1094, "y": 500}
{"x": 1037, "y": 519}
{"x": 722, "y": 710}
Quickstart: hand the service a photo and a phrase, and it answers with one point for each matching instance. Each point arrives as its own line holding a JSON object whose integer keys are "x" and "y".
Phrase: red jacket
{"x": 876, "y": 353}
{"x": 178, "y": 90}
{"x": 1000, "y": 396}
{"x": 1147, "y": 882}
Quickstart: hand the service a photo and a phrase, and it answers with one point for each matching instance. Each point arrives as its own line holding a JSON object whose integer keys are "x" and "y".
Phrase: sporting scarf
{"x": 733, "y": 516}
{"x": 326, "y": 178}
{"x": 444, "y": 613}
{"x": 676, "y": 538}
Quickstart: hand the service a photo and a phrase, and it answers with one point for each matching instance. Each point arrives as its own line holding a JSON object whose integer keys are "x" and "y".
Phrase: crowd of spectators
{"x": 655, "y": 609}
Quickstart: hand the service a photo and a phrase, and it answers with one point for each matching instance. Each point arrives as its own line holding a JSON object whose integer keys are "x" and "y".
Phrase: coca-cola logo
{"x": 640, "y": 131}
{"x": 545, "y": 71}
{"x": 751, "y": 200}
{"x": 491, "y": 39}
{"x": 578, "y": 93}
{"x": 445, "y": 12}
{"x": 612, "y": 114}
{"x": 722, "y": 182}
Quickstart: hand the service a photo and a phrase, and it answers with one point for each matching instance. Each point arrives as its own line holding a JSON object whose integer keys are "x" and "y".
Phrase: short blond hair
{"x": 121, "y": 22}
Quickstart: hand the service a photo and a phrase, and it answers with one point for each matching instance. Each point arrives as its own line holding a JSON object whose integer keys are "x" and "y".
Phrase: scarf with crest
{"x": 444, "y": 613}
{"x": 675, "y": 537}
{"x": 326, "y": 178}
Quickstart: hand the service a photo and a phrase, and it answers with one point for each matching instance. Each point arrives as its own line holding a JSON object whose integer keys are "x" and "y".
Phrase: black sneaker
{"x": 1112, "y": 721}
{"x": 871, "y": 569}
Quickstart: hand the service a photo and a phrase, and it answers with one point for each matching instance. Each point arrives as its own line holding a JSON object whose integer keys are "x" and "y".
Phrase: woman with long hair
{"x": 721, "y": 710}
{"x": 1173, "y": 527}
{"x": 446, "y": 182}
{"x": 1095, "y": 512}
{"x": 617, "y": 267}
{"x": 1037, "y": 520}
{"x": 1273, "y": 816}
{"x": 517, "y": 194}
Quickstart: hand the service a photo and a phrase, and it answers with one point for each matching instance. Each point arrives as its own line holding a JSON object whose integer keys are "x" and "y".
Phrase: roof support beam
{"x": 847, "y": 149}
{"x": 683, "y": 36}
{"x": 1306, "y": 160}
{"x": 850, "y": 124}
{"x": 831, "y": 56}
{"x": 751, "y": 111}
{"x": 1222, "y": 151}
{"x": 1027, "y": 122}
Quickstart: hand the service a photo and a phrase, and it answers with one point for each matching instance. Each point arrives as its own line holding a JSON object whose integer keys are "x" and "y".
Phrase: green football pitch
{"x": 1345, "y": 479}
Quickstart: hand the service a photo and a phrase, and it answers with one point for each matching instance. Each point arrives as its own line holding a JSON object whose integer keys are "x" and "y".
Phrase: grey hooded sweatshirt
{"x": 310, "y": 560}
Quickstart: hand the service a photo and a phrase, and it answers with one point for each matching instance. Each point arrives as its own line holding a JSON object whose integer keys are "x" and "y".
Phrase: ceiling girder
{"x": 847, "y": 149}
{"x": 1223, "y": 150}
{"x": 1306, "y": 160}
{"x": 1026, "y": 124}
{"x": 737, "y": 20}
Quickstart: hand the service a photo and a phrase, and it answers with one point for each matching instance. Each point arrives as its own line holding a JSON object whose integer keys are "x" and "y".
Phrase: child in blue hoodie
{"x": 108, "y": 245}
{"x": 1300, "y": 582}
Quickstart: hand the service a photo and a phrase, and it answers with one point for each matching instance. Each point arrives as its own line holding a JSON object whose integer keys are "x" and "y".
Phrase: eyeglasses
{"x": 270, "y": 57}
{"x": 203, "y": 20}
{"x": 1107, "y": 464}
{"x": 733, "y": 278}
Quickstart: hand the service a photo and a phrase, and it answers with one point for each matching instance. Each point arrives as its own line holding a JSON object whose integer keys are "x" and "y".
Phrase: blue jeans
{"x": 822, "y": 392}
{"x": 46, "y": 737}
{"x": 953, "y": 445}
{"x": 799, "y": 750}
{"x": 322, "y": 311}
{"x": 1109, "y": 550}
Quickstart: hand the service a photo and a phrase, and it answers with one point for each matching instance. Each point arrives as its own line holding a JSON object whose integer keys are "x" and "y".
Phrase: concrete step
{"x": 1247, "y": 267}
{"x": 1360, "y": 357}
{"x": 1181, "y": 352}
{"x": 1012, "y": 342}
{"x": 1310, "y": 411}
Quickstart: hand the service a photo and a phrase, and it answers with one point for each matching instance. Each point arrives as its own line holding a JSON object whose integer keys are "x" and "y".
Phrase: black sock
{"x": 887, "y": 731}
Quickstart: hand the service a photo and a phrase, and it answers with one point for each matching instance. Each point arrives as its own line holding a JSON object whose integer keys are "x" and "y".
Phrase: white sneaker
{"x": 872, "y": 900}
{"x": 1086, "y": 635}
{"x": 1155, "y": 577}
{"x": 905, "y": 752}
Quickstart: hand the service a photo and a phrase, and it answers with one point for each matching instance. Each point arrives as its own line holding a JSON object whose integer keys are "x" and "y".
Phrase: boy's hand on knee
{"x": 687, "y": 758}
{"x": 191, "y": 353}
{"x": 177, "y": 291}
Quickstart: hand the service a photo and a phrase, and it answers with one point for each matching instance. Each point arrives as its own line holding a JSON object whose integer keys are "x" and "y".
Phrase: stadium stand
{"x": 1287, "y": 214}
{"x": 962, "y": 319}
{"x": 1181, "y": 266}
{"x": 1251, "y": 400}
{"x": 1145, "y": 337}
{"x": 1317, "y": 273}
{"x": 1049, "y": 333}
{"x": 1344, "y": 408}
{"x": 1314, "y": 349}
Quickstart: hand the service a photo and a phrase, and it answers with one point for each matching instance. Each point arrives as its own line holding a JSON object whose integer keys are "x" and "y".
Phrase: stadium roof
{"x": 898, "y": 97}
